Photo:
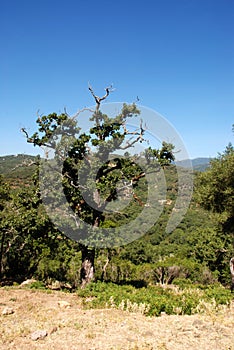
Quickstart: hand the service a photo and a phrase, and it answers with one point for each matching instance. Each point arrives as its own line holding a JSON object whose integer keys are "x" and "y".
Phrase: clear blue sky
{"x": 176, "y": 55}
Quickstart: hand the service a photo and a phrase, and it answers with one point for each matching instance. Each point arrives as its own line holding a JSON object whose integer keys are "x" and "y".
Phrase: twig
{"x": 82, "y": 110}
{"x": 98, "y": 99}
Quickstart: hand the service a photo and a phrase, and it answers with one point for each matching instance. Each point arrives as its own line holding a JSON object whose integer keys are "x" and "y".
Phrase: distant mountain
{"x": 18, "y": 168}
{"x": 12, "y": 162}
{"x": 199, "y": 164}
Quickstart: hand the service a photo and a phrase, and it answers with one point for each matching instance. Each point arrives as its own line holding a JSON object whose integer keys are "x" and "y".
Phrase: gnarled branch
{"x": 98, "y": 99}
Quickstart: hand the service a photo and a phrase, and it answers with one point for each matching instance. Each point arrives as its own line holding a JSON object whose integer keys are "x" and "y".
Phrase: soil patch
{"x": 66, "y": 325}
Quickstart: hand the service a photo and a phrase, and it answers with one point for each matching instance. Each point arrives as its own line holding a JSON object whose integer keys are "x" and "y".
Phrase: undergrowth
{"x": 153, "y": 300}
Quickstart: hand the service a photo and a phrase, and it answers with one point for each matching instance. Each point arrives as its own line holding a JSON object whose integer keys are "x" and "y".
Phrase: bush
{"x": 153, "y": 300}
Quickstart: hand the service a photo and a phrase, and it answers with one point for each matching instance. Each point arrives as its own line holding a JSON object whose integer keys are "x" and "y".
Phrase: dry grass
{"x": 72, "y": 327}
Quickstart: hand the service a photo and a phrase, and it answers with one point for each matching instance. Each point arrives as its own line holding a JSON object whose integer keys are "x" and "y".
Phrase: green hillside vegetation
{"x": 199, "y": 164}
{"x": 18, "y": 169}
{"x": 195, "y": 254}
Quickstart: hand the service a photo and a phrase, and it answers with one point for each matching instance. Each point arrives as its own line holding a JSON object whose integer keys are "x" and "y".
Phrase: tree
{"x": 94, "y": 174}
{"x": 215, "y": 188}
{"x": 23, "y": 221}
{"x": 215, "y": 192}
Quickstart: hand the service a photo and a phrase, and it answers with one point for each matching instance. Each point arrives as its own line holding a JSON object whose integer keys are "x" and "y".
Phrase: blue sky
{"x": 176, "y": 55}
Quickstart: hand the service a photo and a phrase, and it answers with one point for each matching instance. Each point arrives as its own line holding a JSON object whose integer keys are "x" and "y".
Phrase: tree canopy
{"x": 82, "y": 183}
{"x": 215, "y": 188}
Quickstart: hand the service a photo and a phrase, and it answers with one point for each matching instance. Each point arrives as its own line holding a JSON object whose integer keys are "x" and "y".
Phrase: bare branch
{"x": 137, "y": 177}
{"x": 82, "y": 110}
{"x": 39, "y": 115}
{"x": 98, "y": 99}
{"x": 138, "y": 132}
{"x": 25, "y": 132}
{"x": 130, "y": 144}
{"x": 65, "y": 112}
{"x": 138, "y": 199}
{"x": 232, "y": 268}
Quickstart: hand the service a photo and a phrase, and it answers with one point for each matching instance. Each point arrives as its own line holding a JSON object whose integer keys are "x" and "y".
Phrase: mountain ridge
{"x": 10, "y": 163}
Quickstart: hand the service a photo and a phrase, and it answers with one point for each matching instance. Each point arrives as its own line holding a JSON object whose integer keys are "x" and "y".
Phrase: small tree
{"x": 215, "y": 192}
{"x": 94, "y": 174}
{"x": 215, "y": 188}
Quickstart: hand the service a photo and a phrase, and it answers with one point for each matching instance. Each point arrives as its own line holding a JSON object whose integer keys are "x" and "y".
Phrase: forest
{"x": 195, "y": 254}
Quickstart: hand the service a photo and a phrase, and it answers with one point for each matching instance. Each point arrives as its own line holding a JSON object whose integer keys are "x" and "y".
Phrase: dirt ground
{"x": 70, "y": 327}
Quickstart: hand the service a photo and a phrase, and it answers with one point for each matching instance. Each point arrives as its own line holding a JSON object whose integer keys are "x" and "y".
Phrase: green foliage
{"x": 33, "y": 247}
{"x": 29, "y": 243}
{"x": 196, "y": 253}
{"x": 154, "y": 299}
{"x": 215, "y": 188}
{"x": 37, "y": 285}
{"x": 18, "y": 170}
{"x": 215, "y": 192}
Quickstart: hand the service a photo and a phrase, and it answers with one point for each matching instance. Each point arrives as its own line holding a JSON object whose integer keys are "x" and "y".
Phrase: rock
{"x": 40, "y": 334}
{"x": 67, "y": 286}
{"x": 7, "y": 311}
{"x": 56, "y": 285}
{"x": 64, "y": 304}
{"x": 27, "y": 282}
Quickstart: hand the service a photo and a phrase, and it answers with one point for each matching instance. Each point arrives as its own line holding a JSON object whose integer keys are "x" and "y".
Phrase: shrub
{"x": 154, "y": 299}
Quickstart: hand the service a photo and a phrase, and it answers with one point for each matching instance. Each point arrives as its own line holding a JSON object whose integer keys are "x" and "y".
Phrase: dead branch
{"x": 232, "y": 269}
{"x": 138, "y": 132}
{"x": 39, "y": 115}
{"x": 130, "y": 144}
{"x": 138, "y": 199}
{"x": 137, "y": 177}
{"x": 98, "y": 99}
{"x": 232, "y": 266}
{"x": 81, "y": 111}
{"x": 25, "y": 132}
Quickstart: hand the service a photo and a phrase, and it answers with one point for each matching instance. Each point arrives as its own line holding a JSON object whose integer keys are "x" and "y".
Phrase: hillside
{"x": 17, "y": 168}
{"x": 147, "y": 260}
{"x": 198, "y": 164}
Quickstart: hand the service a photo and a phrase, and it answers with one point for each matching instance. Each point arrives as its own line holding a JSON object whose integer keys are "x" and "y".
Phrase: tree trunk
{"x": 1, "y": 254}
{"x": 232, "y": 273}
{"x": 105, "y": 267}
{"x": 88, "y": 254}
{"x": 87, "y": 267}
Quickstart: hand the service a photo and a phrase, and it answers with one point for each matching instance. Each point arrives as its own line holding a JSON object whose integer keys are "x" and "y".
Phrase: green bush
{"x": 37, "y": 285}
{"x": 154, "y": 299}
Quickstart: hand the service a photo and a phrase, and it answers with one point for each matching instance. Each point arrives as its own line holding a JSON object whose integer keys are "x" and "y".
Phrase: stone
{"x": 55, "y": 285}
{"x": 40, "y": 334}
{"x": 7, "y": 311}
{"x": 27, "y": 282}
{"x": 64, "y": 304}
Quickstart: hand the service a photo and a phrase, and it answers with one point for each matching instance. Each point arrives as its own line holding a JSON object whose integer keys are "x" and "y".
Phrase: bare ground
{"x": 71, "y": 327}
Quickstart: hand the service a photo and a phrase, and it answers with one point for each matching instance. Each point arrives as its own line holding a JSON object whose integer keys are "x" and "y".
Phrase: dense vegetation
{"x": 198, "y": 250}
{"x": 196, "y": 253}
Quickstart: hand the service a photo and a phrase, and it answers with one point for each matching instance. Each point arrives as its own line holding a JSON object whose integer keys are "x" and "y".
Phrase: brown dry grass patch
{"x": 74, "y": 328}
